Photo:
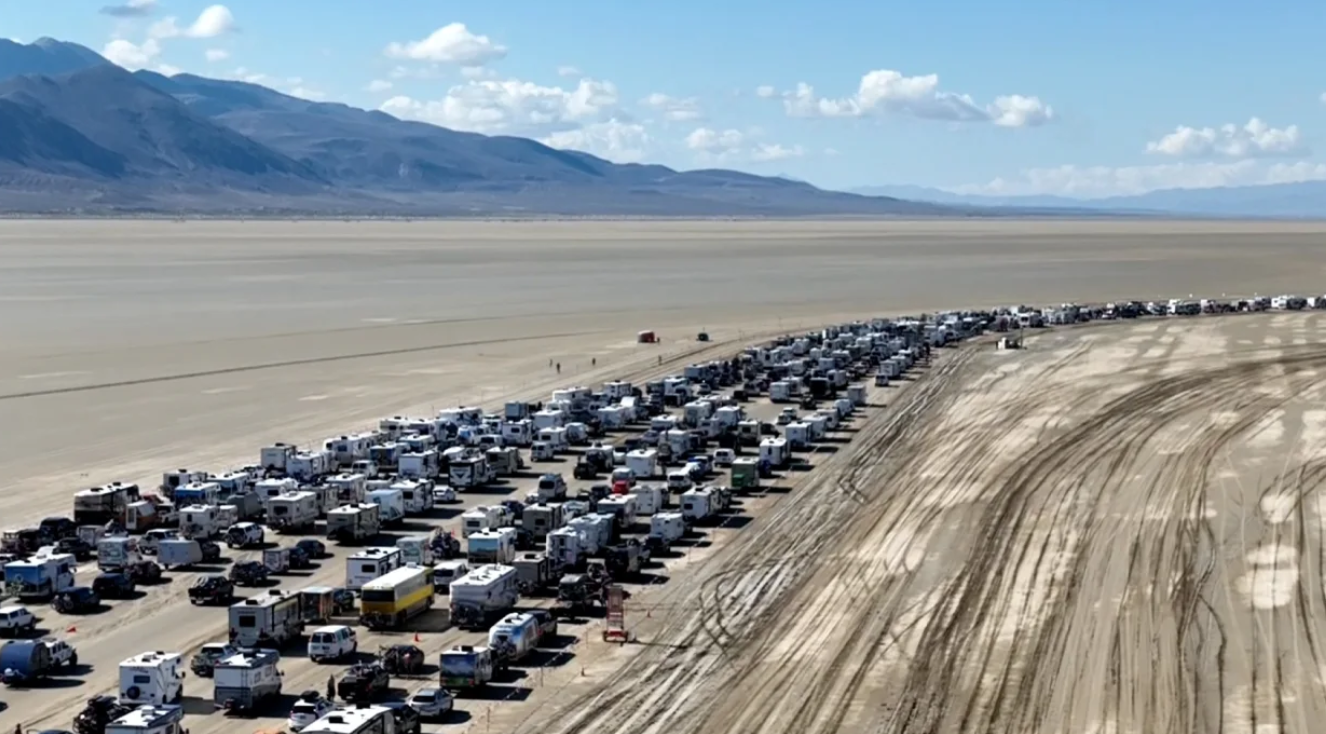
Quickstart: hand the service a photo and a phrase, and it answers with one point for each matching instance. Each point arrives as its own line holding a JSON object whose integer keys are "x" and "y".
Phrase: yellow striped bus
{"x": 387, "y": 602}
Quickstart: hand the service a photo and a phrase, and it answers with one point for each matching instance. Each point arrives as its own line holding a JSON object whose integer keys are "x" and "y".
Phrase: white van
{"x": 446, "y": 572}
{"x": 332, "y": 643}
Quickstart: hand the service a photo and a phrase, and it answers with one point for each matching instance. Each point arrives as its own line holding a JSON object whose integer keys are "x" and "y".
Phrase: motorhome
{"x": 350, "y": 488}
{"x": 392, "y": 599}
{"x": 623, "y": 506}
{"x": 420, "y": 465}
{"x": 649, "y": 498}
{"x": 391, "y": 504}
{"x": 416, "y": 495}
{"x": 665, "y": 528}
{"x": 354, "y": 523}
{"x": 386, "y": 456}
{"x": 555, "y": 437}
{"x": 246, "y": 680}
{"x": 198, "y": 493}
{"x": 369, "y": 564}
{"x": 346, "y": 450}
{"x": 596, "y": 532}
{"x": 643, "y": 463}
{"x": 149, "y": 720}
{"x": 697, "y": 505}
{"x": 565, "y": 546}
{"x": 679, "y": 442}
{"x": 152, "y": 678}
{"x": 270, "y": 489}
{"x": 416, "y": 550}
{"x": 773, "y": 451}
{"x": 309, "y": 465}
{"x": 445, "y": 572}
{"x": 268, "y": 620}
{"x": 518, "y": 433}
{"x": 296, "y": 512}
{"x": 482, "y": 517}
{"x": 470, "y": 470}
{"x": 491, "y": 546}
{"x": 542, "y": 518}
{"x": 505, "y": 461}
{"x": 274, "y": 457}
{"x": 104, "y": 504}
{"x": 797, "y": 434}
{"x": 361, "y": 719}
{"x": 117, "y": 553}
{"x": 482, "y": 594}
{"x": 780, "y": 391}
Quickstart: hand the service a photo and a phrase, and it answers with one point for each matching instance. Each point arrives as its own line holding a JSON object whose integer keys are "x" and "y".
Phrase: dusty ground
{"x": 1089, "y": 536}
{"x": 1116, "y": 530}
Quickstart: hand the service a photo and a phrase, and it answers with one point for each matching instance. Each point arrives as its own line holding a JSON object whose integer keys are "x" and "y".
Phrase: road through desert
{"x": 1118, "y": 529}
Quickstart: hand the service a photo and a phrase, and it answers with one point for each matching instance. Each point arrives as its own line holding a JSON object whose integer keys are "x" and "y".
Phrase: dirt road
{"x": 1113, "y": 531}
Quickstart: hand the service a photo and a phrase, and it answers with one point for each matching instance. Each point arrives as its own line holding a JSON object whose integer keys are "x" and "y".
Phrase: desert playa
{"x": 1117, "y": 529}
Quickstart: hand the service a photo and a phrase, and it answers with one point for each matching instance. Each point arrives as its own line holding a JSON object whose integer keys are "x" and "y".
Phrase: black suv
{"x": 114, "y": 585}
{"x": 299, "y": 558}
{"x": 78, "y": 600}
{"x": 75, "y": 546}
{"x": 407, "y": 719}
{"x": 248, "y": 573}
{"x": 312, "y": 548}
{"x": 211, "y": 590}
{"x": 57, "y": 528}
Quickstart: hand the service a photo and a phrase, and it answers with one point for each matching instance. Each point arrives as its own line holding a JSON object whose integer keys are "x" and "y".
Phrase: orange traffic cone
{"x": 71, "y": 630}
{"x": 417, "y": 638}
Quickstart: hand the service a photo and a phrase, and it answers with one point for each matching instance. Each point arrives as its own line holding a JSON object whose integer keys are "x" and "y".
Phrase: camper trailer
{"x": 482, "y": 594}
{"x": 295, "y": 512}
{"x": 268, "y": 620}
{"x": 152, "y": 678}
{"x": 354, "y": 523}
{"x": 371, "y": 563}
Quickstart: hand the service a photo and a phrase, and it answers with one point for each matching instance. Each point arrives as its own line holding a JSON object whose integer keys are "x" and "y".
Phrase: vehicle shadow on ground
{"x": 489, "y": 490}
{"x": 546, "y": 659}
{"x": 446, "y": 512}
{"x": 48, "y": 684}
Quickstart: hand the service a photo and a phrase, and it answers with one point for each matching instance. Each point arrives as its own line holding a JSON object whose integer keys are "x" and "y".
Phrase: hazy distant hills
{"x": 82, "y": 134}
{"x": 1290, "y": 200}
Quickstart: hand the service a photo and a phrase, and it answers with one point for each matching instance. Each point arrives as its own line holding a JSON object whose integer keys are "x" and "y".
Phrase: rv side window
{"x": 279, "y": 510}
{"x": 368, "y": 568}
{"x": 248, "y": 621}
{"x": 142, "y": 679}
{"x": 379, "y": 595}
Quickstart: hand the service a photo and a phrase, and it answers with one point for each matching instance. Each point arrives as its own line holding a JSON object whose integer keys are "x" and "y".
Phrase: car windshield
{"x": 304, "y": 707}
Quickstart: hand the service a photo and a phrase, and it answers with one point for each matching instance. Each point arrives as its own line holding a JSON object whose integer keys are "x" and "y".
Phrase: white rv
{"x": 152, "y": 678}
{"x": 295, "y": 512}
{"x": 369, "y": 564}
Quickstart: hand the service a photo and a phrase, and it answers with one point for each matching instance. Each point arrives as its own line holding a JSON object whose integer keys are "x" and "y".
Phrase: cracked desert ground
{"x": 1116, "y": 530}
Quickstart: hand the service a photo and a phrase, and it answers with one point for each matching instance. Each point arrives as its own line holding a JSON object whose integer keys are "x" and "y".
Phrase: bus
{"x": 388, "y": 601}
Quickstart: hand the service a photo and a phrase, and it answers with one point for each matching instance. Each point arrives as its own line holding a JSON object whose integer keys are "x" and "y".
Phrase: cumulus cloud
{"x": 568, "y": 71}
{"x": 766, "y": 152}
{"x": 130, "y": 55}
{"x": 130, "y": 9}
{"x": 217, "y": 54}
{"x": 885, "y": 91}
{"x": 1256, "y": 139}
{"x": 1091, "y": 182}
{"x": 708, "y": 140}
{"x": 450, "y": 44}
{"x": 512, "y": 106}
{"x": 674, "y": 109}
{"x": 215, "y": 20}
{"x": 378, "y": 85}
{"x": 620, "y": 142}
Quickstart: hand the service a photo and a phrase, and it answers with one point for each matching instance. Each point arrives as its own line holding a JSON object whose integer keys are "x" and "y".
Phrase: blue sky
{"x": 1085, "y": 98}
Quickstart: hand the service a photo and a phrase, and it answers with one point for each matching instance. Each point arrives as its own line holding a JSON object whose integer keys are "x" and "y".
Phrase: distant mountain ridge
{"x": 86, "y": 135}
{"x": 1305, "y": 199}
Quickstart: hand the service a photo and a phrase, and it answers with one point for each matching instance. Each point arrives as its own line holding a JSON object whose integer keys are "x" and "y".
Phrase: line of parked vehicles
{"x": 652, "y": 485}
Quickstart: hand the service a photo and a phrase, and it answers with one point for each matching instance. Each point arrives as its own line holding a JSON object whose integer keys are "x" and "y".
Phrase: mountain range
{"x": 84, "y": 136}
{"x": 1305, "y": 199}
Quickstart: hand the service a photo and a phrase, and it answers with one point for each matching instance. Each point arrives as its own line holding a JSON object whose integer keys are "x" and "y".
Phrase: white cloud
{"x": 766, "y": 152}
{"x": 1256, "y": 139}
{"x": 568, "y": 71}
{"x": 313, "y": 95}
{"x": 131, "y": 9}
{"x": 512, "y": 106}
{"x": 1102, "y": 181}
{"x": 674, "y": 109}
{"x": 885, "y": 91}
{"x": 168, "y": 70}
{"x": 215, "y": 20}
{"x": 130, "y": 55}
{"x": 378, "y": 85}
{"x": 450, "y": 44}
{"x": 718, "y": 142}
{"x": 217, "y": 54}
{"x": 765, "y": 91}
{"x": 477, "y": 72}
{"x": 620, "y": 142}
{"x": 831, "y": 152}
